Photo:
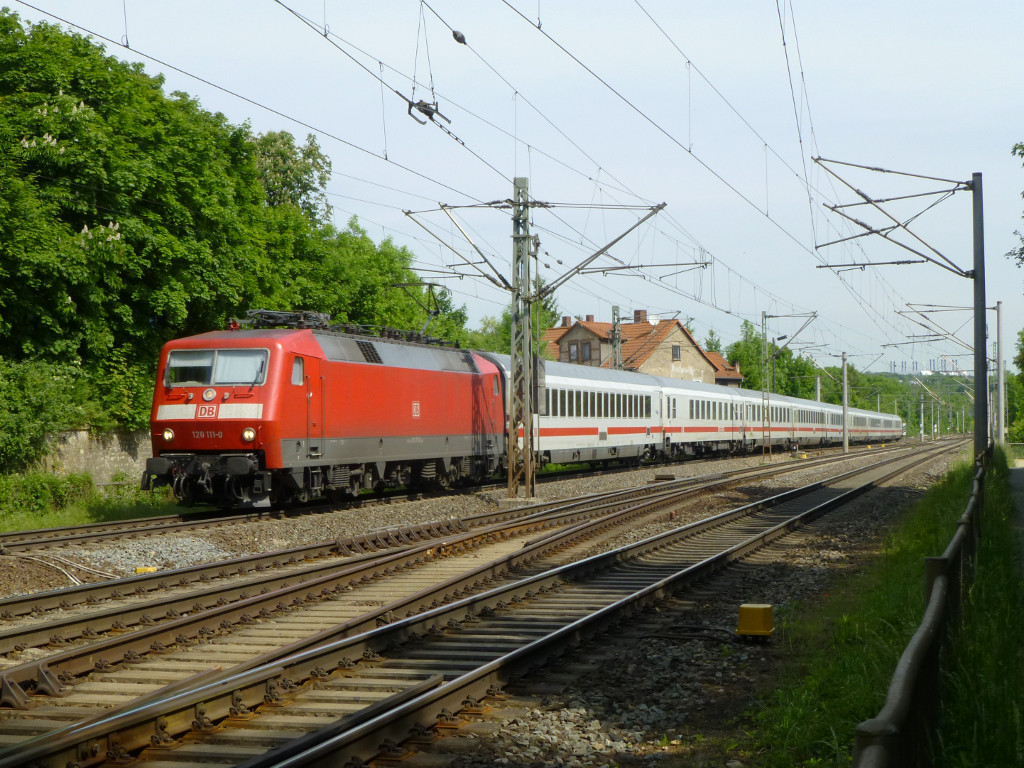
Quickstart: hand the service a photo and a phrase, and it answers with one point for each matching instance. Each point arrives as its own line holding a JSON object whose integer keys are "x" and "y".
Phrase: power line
{"x": 421, "y": 106}
{"x": 249, "y": 100}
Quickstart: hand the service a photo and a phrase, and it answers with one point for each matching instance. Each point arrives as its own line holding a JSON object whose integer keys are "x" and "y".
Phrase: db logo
{"x": 415, "y": 409}
{"x": 206, "y": 412}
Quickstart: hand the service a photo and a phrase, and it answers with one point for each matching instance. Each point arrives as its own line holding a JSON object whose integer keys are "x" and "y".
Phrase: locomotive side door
{"x": 315, "y": 405}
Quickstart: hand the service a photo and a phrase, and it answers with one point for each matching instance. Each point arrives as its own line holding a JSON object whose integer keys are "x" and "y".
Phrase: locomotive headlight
{"x": 248, "y": 434}
{"x": 168, "y": 435}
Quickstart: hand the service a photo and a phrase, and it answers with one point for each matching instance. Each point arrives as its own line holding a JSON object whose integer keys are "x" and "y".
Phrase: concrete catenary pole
{"x": 1000, "y": 377}
{"x": 846, "y": 408}
{"x": 980, "y": 354}
{"x": 922, "y": 417}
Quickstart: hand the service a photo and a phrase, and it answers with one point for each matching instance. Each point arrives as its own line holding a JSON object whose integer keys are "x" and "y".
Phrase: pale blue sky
{"x": 926, "y": 87}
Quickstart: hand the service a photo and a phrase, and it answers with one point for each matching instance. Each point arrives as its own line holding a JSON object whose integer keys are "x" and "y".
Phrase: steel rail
{"x": 92, "y": 592}
{"x": 12, "y": 542}
{"x": 50, "y": 675}
{"x": 442, "y": 705}
{"x": 212, "y": 609}
{"x": 239, "y": 692}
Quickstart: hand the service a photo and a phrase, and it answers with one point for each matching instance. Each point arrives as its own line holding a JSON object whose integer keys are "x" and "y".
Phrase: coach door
{"x": 315, "y": 406}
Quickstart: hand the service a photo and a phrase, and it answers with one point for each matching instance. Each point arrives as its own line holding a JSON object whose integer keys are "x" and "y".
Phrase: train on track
{"x": 261, "y": 413}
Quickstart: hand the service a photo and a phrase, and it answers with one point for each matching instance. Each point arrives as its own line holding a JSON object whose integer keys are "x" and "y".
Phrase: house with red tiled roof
{"x": 660, "y": 348}
{"x": 726, "y": 374}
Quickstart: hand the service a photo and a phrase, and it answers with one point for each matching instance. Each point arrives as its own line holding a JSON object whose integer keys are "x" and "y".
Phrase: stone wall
{"x": 120, "y": 455}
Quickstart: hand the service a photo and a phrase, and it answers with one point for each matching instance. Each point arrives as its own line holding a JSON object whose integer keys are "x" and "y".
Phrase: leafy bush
{"x": 39, "y": 493}
{"x": 36, "y": 399}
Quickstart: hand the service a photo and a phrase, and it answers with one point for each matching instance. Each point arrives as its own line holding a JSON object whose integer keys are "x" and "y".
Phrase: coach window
{"x": 647, "y": 406}
{"x": 586, "y": 404}
{"x": 673, "y": 407}
{"x": 561, "y": 402}
{"x": 579, "y": 405}
{"x": 298, "y": 377}
{"x": 547, "y": 402}
{"x": 593, "y": 404}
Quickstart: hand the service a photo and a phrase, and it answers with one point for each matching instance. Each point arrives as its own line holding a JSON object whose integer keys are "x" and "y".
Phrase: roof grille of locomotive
{"x": 369, "y": 352}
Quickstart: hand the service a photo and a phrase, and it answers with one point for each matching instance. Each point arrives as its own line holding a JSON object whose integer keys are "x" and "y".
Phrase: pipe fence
{"x": 902, "y": 731}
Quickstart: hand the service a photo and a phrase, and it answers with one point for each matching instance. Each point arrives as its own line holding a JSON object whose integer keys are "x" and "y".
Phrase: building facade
{"x": 657, "y": 347}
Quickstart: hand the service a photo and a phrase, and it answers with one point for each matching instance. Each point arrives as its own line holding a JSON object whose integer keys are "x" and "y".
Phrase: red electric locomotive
{"x": 260, "y": 415}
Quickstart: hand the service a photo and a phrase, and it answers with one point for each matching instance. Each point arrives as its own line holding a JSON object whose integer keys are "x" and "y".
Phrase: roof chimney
{"x": 590, "y": 318}
{"x": 639, "y": 315}
{"x": 566, "y": 321}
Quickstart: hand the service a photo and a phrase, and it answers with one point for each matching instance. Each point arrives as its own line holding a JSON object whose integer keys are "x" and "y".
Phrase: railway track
{"x": 72, "y": 614}
{"x": 67, "y": 703}
{"x": 69, "y": 537}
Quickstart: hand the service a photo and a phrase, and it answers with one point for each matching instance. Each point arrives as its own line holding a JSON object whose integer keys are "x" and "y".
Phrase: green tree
{"x": 1018, "y": 253}
{"x": 1015, "y": 395}
{"x": 133, "y": 213}
{"x": 129, "y": 217}
{"x": 747, "y": 352}
{"x": 495, "y": 334}
{"x": 294, "y": 175}
{"x": 713, "y": 343}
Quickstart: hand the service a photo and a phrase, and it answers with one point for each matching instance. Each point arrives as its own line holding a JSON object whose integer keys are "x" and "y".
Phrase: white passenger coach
{"x": 590, "y": 414}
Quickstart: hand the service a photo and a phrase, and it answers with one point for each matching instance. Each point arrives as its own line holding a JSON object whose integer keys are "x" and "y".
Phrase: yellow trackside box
{"x": 755, "y": 620}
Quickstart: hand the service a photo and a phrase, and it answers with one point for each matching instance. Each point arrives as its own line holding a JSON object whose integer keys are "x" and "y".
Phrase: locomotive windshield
{"x": 203, "y": 367}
